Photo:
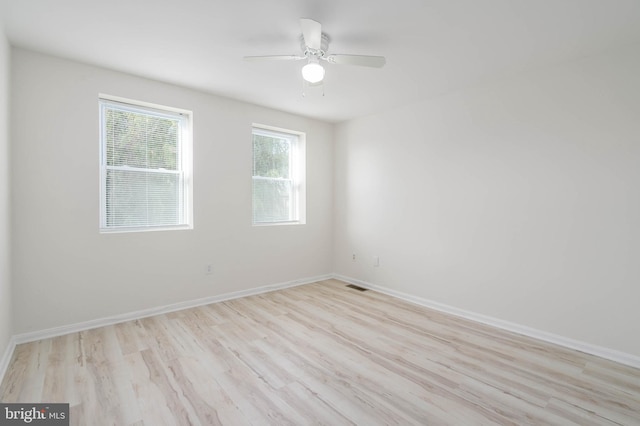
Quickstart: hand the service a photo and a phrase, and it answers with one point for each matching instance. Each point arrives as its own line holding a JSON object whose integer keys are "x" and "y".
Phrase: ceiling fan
{"x": 314, "y": 44}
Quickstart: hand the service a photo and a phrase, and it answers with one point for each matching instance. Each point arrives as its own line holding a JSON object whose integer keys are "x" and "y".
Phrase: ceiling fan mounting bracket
{"x": 318, "y": 53}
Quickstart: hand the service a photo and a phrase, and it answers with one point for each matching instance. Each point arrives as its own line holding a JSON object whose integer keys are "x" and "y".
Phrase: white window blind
{"x": 278, "y": 177}
{"x": 143, "y": 156}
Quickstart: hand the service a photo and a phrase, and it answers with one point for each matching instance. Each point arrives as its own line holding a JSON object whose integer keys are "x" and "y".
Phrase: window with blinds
{"x": 145, "y": 163}
{"x": 278, "y": 176}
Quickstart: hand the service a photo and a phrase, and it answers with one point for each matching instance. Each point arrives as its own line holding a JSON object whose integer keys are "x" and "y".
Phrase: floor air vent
{"x": 355, "y": 287}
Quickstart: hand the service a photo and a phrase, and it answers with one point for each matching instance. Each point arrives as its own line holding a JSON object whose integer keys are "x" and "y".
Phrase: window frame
{"x": 297, "y": 173}
{"x": 185, "y": 160}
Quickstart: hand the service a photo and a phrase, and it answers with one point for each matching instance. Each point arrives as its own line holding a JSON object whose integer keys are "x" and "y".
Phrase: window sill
{"x": 145, "y": 229}
{"x": 293, "y": 222}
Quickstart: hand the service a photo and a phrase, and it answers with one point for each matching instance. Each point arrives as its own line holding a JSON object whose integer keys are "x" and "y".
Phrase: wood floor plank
{"x": 320, "y": 353}
{"x": 153, "y": 399}
{"x": 35, "y": 371}
{"x": 211, "y": 403}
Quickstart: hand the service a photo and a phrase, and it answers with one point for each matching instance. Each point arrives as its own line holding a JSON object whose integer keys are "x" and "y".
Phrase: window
{"x": 145, "y": 161}
{"x": 278, "y": 176}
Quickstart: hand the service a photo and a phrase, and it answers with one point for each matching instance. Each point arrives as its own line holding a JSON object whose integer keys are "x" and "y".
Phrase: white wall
{"x": 519, "y": 200}
{"x": 66, "y": 272}
{"x": 6, "y": 329}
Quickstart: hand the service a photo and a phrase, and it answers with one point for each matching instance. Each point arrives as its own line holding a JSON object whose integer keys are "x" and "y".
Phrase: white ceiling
{"x": 432, "y": 46}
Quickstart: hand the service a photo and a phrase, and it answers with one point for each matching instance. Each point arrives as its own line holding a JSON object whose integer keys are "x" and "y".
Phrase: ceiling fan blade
{"x": 275, "y": 57}
{"x": 361, "y": 60}
{"x": 312, "y": 33}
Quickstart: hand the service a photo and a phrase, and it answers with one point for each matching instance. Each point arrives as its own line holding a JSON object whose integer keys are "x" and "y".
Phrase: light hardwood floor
{"x": 318, "y": 354}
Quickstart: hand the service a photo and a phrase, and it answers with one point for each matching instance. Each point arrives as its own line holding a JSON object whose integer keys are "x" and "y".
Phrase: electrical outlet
{"x": 208, "y": 269}
{"x": 353, "y": 257}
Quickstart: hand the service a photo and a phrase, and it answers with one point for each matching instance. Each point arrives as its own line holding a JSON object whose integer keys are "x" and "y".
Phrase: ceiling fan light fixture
{"x": 313, "y": 72}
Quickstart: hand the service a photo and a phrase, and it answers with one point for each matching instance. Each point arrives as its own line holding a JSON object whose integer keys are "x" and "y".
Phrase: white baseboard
{"x": 617, "y": 356}
{"x": 602, "y": 352}
{"x": 101, "y": 322}
{"x": 6, "y": 357}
